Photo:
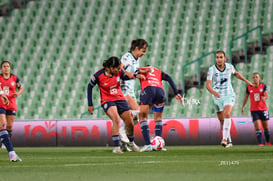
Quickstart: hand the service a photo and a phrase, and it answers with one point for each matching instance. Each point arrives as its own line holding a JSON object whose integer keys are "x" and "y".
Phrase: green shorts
{"x": 221, "y": 102}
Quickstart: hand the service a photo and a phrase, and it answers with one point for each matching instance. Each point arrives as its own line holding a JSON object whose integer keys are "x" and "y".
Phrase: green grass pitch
{"x": 241, "y": 162}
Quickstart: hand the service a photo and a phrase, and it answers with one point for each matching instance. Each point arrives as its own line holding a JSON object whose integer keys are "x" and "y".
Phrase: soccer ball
{"x": 157, "y": 143}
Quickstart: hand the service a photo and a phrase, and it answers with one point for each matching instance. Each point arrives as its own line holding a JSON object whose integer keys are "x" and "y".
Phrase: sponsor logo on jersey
{"x": 223, "y": 80}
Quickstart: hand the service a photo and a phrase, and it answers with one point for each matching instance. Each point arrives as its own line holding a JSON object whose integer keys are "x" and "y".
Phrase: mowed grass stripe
{"x": 246, "y": 162}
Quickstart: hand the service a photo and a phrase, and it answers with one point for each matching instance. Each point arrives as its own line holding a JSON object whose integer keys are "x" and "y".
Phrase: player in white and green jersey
{"x": 219, "y": 85}
{"x": 130, "y": 63}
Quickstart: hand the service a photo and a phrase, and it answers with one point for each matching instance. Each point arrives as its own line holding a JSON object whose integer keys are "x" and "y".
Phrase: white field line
{"x": 20, "y": 165}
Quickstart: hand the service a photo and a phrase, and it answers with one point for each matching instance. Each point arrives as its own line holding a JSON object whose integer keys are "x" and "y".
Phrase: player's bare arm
{"x": 90, "y": 109}
{"x": 129, "y": 74}
{"x": 209, "y": 88}
{"x": 239, "y": 76}
{"x": 178, "y": 97}
{"x": 146, "y": 70}
{"x": 244, "y": 103}
{"x": 4, "y": 99}
{"x": 17, "y": 94}
{"x": 265, "y": 96}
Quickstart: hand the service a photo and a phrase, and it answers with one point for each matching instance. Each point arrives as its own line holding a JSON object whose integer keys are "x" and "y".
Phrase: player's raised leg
{"x": 128, "y": 120}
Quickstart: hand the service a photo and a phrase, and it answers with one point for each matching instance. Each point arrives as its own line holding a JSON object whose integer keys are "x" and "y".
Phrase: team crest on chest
{"x": 118, "y": 79}
{"x": 12, "y": 83}
{"x": 261, "y": 90}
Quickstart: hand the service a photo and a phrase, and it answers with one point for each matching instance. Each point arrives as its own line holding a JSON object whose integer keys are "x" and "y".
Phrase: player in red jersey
{"x": 259, "y": 112}
{"x": 9, "y": 83}
{"x": 112, "y": 99}
{"x": 153, "y": 95}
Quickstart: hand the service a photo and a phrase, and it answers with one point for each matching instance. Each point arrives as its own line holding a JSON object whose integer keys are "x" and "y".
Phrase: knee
{"x": 142, "y": 116}
{"x": 227, "y": 114}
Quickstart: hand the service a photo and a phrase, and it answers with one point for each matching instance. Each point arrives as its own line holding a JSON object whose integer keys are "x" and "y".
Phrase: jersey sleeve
{"x": 232, "y": 68}
{"x": 123, "y": 75}
{"x": 19, "y": 84}
{"x": 166, "y": 77}
{"x": 125, "y": 60}
{"x": 210, "y": 73}
{"x": 265, "y": 88}
{"x": 94, "y": 80}
{"x": 247, "y": 91}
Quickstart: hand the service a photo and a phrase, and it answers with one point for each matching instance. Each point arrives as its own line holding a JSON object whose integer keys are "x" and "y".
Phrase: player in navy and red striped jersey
{"x": 259, "y": 112}
{"x": 153, "y": 95}
{"x": 9, "y": 84}
{"x": 112, "y": 99}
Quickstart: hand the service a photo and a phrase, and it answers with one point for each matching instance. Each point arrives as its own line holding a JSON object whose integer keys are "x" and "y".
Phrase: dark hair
{"x": 221, "y": 51}
{"x": 111, "y": 62}
{"x": 140, "y": 43}
{"x": 256, "y": 73}
{"x": 5, "y": 61}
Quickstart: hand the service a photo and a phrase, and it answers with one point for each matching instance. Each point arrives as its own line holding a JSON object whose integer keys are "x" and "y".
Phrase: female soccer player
{"x": 258, "y": 94}
{"x": 9, "y": 83}
{"x": 153, "y": 95}
{"x": 219, "y": 85}
{"x": 112, "y": 99}
{"x": 130, "y": 63}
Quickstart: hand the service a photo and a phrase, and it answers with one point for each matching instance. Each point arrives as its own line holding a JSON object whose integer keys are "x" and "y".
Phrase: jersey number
{"x": 257, "y": 97}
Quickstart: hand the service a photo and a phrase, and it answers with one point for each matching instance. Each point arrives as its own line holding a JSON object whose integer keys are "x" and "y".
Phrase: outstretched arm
{"x": 166, "y": 77}
{"x": 241, "y": 77}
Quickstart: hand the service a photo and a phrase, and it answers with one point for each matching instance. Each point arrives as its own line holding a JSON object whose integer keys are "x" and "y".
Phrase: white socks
{"x": 122, "y": 129}
{"x": 226, "y": 129}
{"x": 122, "y": 133}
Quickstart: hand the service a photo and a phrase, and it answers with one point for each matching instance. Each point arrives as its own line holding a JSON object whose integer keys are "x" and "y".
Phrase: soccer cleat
{"x": 134, "y": 146}
{"x": 224, "y": 143}
{"x": 122, "y": 133}
{"x": 117, "y": 150}
{"x": 15, "y": 158}
{"x": 124, "y": 147}
{"x": 146, "y": 148}
{"x": 229, "y": 145}
{"x": 260, "y": 144}
{"x": 268, "y": 144}
{"x": 164, "y": 149}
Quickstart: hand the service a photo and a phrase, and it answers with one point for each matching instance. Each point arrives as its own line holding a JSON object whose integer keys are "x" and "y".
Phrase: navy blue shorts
{"x": 7, "y": 112}
{"x": 152, "y": 96}
{"x": 259, "y": 115}
{"x": 121, "y": 105}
